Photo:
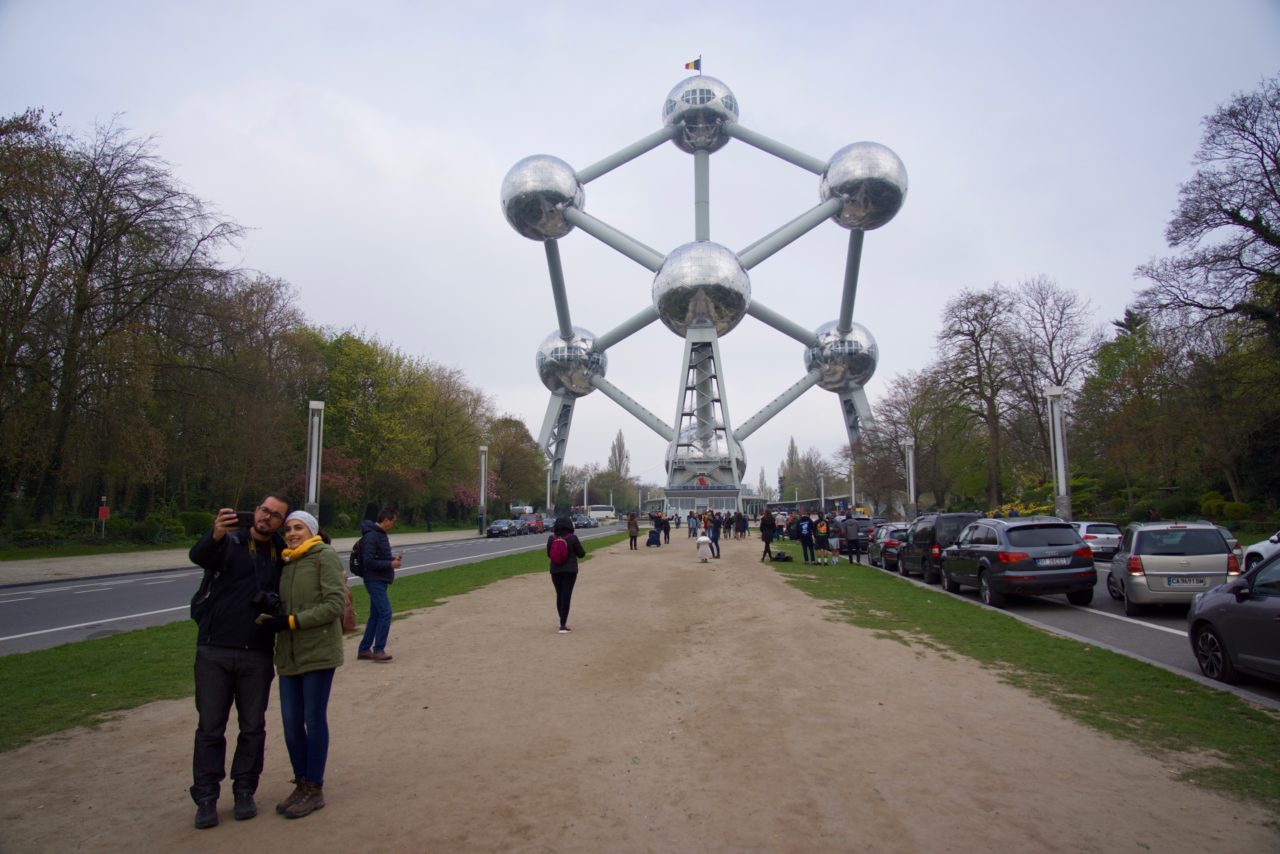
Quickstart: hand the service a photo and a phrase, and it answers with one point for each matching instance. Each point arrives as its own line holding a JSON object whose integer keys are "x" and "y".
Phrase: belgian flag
{"x": 696, "y": 65}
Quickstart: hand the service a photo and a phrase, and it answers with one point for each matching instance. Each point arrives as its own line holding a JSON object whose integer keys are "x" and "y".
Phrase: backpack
{"x": 559, "y": 551}
{"x": 822, "y": 527}
{"x": 355, "y": 562}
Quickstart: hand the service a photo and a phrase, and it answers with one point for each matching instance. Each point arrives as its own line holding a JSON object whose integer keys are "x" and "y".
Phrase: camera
{"x": 267, "y": 602}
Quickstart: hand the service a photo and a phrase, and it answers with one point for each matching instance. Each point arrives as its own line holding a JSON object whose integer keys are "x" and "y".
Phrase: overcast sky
{"x": 364, "y": 145}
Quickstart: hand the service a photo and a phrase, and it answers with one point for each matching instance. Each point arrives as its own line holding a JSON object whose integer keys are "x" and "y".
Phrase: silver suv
{"x": 1160, "y": 563}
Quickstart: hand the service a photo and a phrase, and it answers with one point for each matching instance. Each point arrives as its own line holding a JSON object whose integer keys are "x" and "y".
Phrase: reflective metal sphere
{"x": 700, "y": 106}
{"x": 701, "y": 284}
{"x": 847, "y": 361}
{"x": 871, "y": 180}
{"x": 567, "y": 366}
{"x": 688, "y": 448}
{"x": 535, "y": 193}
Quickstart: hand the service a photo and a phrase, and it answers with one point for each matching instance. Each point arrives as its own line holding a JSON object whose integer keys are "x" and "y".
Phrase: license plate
{"x": 1053, "y": 561}
{"x": 1185, "y": 581}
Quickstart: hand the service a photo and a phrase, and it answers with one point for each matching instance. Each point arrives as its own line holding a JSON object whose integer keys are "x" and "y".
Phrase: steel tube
{"x": 635, "y": 250}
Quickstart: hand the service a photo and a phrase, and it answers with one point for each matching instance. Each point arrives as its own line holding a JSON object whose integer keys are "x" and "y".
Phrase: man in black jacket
{"x": 379, "y": 573}
{"x": 233, "y": 653}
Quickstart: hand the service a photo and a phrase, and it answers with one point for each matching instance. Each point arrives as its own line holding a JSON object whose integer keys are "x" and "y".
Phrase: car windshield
{"x": 1043, "y": 535}
{"x": 1104, "y": 530}
{"x": 1182, "y": 541}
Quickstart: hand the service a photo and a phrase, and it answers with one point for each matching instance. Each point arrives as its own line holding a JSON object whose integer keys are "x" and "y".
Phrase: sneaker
{"x": 245, "y": 806}
{"x": 564, "y": 630}
{"x": 206, "y": 814}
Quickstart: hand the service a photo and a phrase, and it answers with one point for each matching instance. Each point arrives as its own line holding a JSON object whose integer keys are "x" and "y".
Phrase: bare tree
{"x": 619, "y": 458}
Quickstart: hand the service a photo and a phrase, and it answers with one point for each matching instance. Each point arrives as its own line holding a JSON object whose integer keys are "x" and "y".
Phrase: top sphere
{"x": 701, "y": 285}
{"x": 535, "y": 193}
{"x": 700, "y": 106}
{"x": 870, "y": 179}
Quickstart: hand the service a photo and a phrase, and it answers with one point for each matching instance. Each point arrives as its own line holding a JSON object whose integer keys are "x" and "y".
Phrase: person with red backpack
{"x": 563, "y": 549}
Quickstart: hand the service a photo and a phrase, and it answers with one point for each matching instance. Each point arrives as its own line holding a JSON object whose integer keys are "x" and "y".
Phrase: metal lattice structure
{"x": 702, "y": 290}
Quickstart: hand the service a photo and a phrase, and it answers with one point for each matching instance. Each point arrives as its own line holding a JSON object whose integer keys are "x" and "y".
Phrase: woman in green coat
{"x": 308, "y": 651}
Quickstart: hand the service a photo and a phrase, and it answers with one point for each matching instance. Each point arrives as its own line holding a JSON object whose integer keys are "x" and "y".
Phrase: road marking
{"x": 161, "y": 581}
{"x": 1179, "y": 632}
{"x": 23, "y": 599}
{"x": 95, "y": 590}
{"x": 93, "y": 623}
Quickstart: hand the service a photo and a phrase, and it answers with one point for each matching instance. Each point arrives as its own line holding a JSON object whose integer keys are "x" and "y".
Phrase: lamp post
{"x": 853, "y": 489}
{"x": 1062, "y": 487}
{"x": 484, "y": 476}
{"x": 315, "y": 448}
{"x": 822, "y": 495}
{"x": 910, "y": 447}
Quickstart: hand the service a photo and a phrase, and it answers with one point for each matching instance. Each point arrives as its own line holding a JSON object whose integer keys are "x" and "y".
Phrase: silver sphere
{"x": 701, "y": 285}
{"x": 688, "y": 448}
{"x": 567, "y": 366}
{"x": 847, "y": 361}
{"x": 700, "y": 106}
{"x": 870, "y": 179}
{"x": 535, "y": 193}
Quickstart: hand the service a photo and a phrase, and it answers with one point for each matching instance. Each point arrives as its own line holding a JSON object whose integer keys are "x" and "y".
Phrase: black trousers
{"x": 563, "y": 582}
{"x": 225, "y": 676}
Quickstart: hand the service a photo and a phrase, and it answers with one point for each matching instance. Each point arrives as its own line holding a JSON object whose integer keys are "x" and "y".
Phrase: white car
{"x": 1258, "y": 552}
{"x": 1102, "y": 538}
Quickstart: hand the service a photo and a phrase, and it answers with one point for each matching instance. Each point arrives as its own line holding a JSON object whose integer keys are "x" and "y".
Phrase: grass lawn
{"x": 1227, "y": 743}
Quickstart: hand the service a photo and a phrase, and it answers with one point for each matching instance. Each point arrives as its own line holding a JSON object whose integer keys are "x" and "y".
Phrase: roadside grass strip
{"x": 84, "y": 684}
{"x": 1218, "y": 740}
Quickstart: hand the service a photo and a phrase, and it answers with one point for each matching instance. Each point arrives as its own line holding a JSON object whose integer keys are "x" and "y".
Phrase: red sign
{"x": 104, "y": 513}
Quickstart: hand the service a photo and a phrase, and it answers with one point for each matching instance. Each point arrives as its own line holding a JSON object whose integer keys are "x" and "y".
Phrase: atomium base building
{"x": 702, "y": 291}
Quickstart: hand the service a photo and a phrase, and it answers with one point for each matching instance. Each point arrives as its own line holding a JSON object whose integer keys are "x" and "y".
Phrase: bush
{"x": 195, "y": 522}
{"x": 343, "y": 521}
{"x": 32, "y": 537}
{"x": 119, "y": 528}
{"x": 1178, "y": 507}
{"x": 1234, "y": 510}
{"x": 1211, "y": 505}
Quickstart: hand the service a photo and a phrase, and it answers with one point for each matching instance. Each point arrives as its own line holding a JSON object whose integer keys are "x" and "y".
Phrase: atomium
{"x": 702, "y": 290}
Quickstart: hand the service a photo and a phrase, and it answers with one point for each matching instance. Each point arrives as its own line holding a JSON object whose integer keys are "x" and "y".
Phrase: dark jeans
{"x": 768, "y": 538}
{"x": 715, "y": 545}
{"x": 304, "y": 706}
{"x": 563, "y": 582}
{"x": 806, "y": 546}
{"x": 378, "y": 626}
{"x": 633, "y": 541}
{"x": 225, "y": 676}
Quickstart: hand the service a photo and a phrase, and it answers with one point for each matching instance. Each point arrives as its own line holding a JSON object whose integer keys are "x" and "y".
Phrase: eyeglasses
{"x": 271, "y": 514}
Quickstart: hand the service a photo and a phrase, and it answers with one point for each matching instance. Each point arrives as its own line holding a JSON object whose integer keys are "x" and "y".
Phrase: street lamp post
{"x": 484, "y": 476}
{"x": 1058, "y": 441}
{"x": 315, "y": 448}
{"x": 822, "y": 495}
{"x": 910, "y": 447}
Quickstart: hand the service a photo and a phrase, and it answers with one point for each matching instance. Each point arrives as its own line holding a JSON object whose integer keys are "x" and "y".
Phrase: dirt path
{"x": 694, "y": 708}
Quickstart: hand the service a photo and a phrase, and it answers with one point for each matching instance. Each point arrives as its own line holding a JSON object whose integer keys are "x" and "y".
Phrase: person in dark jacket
{"x": 233, "y": 653}
{"x": 380, "y": 567}
{"x": 564, "y": 576}
{"x": 767, "y": 527}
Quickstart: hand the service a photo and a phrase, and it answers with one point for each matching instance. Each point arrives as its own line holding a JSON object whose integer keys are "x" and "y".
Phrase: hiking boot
{"x": 206, "y": 814}
{"x": 379, "y": 656}
{"x": 293, "y": 798}
{"x": 364, "y": 656}
{"x": 245, "y": 806}
{"x": 311, "y": 799}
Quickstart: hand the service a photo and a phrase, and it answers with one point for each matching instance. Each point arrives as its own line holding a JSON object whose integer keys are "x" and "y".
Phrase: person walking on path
{"x": 233, "y": 653}
{"x": 693, "y": 524}
{"x": 716, "y": 524}
{"x": 633, "y": 530}
{"x": 308, "y": 652}
{"x": 380, "y": 567}
{"x": 767, "y": 527}
{"x": 563, "y": 549}
{"x": 666, "y": 531}
{"x": 804, "y": 528}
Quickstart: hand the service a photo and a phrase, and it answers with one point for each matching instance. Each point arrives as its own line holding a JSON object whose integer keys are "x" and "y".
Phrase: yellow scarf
{"x": 290, "y": 554}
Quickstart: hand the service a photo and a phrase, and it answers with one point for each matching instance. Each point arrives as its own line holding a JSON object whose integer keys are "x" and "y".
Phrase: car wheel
{"x": 1080, "y": 597}
{"x": 1211, "y": 655}
{"x": 1131, "y": 608}
{"x": 929, "y": 573}
{"x": 892, "y": 567}
{"x": 902, "y": 569}
{"x": 990, "y": 597}
{"x": 1114, "y": 588}
{"x": 948, "y": 583}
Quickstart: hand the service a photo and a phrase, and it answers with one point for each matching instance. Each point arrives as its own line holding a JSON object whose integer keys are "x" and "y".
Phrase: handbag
{"x": 348, "y": 607}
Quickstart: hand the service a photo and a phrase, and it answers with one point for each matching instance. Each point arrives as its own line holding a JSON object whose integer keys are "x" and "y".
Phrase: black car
{"x": 1235, "y": 627}
{"x": 882, "y": 551}
{"x": 503, "y": 528}
{"x": 926, "y": 538}
{"x": 1031, "y": 556}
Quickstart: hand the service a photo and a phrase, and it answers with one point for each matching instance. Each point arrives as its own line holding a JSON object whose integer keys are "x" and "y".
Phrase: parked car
{"x": 863, "y": 527}
{"x": 502, "y": 528}
{"x": 884, "y": 546}
{"x": 581, "y": 521}
{"x": 1021, "y": 556}
{"x": 1232, "y": 543}
{"x": 534, "y": 521}
{"x": 927, "y": 536}
{"x": 522, "y": 527}
{"x": 1162, "y": 563}
{"x": 1235, "y": 627}
{"x": 1103, "y": 538}
{"x": 1258, "y": 552}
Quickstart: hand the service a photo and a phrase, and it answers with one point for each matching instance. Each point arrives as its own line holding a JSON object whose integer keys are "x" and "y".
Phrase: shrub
{"x": 1235, "y": 510}
{"x": 1178, "y": 507}
{"x": 195, "y": 522}
{"x": 344, "y": 521}
{"x": 1211, "y": 504}
{"x": 31, "y": 537}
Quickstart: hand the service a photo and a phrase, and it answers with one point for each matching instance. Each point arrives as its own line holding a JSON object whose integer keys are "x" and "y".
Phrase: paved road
{"x": 41, "y": 615}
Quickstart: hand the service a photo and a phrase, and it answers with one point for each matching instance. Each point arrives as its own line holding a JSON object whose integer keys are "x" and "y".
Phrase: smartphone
{"x": 244, "y": 518}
